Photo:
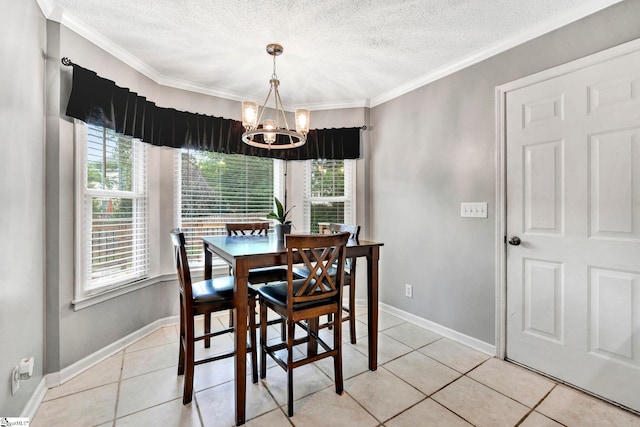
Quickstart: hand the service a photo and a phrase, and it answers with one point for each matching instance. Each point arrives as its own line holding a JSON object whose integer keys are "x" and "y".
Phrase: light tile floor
{"x": 423, "y": 380}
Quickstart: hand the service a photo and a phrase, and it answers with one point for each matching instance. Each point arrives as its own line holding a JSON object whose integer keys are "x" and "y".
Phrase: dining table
{"x": 247, "y": 252}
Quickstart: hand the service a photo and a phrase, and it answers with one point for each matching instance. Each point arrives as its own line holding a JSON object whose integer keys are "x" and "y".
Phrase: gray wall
{"x": 22, "y": 124}
{"x": 434, "y": 148}
{"x": 73, "y": 335}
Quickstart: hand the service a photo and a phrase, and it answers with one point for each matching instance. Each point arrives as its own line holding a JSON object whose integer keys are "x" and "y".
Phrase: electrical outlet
{"x": 408, "y": 291}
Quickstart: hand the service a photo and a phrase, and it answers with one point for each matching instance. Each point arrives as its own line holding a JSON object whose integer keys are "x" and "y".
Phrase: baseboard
{"x": 30, "y": 409}
{"x": 57, "y": 378}
{"x": 451, "y": 334}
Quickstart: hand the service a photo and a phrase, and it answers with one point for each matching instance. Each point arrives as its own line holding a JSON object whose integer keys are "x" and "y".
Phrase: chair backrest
{"x": 182, "y": 264}
{"x": 354, "y": 233}
{"x": 354, "y": 230}
{"x": 318, "y": 252}
{"x": 247, "y": 228}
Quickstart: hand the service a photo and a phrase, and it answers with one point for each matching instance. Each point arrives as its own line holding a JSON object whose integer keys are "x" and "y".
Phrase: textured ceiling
{"x": 336, "y": 52}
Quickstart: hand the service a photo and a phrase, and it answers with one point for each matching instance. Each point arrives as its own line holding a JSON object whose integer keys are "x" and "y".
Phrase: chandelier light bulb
{"x": 302, "y": 120}
{"x": 249, "y": 114}
{"x": 269, "y": 137}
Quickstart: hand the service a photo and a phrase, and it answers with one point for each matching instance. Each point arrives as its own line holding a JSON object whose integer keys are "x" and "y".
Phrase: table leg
{"x": 372, "y": 305}
{"x": 240, "y": 294}
{"x": 208, "y": 273}
{"x": 208, "y": 263}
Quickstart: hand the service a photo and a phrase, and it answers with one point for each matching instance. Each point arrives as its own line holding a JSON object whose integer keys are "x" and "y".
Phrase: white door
{"x": 573, "y": 199}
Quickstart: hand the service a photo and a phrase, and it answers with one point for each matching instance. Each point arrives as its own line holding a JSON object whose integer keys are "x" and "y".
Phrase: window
{"x": 328, "y": 193}
{"x": 216, "y": 188}
{"x": 113, "y": 247}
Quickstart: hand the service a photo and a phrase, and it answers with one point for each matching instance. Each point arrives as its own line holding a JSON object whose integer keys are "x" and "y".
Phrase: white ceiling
{"x": 337, "y": 53}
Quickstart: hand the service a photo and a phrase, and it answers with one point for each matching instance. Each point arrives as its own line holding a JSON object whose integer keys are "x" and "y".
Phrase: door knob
{"x": 515, "y": 241}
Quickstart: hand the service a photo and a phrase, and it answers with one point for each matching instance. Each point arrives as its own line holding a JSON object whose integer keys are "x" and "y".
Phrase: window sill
{"x": 196, "y": 274}
{"x": 88, "y": 301}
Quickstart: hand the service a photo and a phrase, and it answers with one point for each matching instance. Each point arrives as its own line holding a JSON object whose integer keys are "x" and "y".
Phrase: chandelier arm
{"x": 284, "y": 117}
{"x": 276, "y": 96}
{"x": 280, "y": 108}
{"x": 264, "y": 107}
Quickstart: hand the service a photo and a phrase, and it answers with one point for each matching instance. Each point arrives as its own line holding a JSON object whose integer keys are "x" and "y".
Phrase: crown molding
{"x": 335, "y": 105}
{"x": 205, "y": 90}
{"x": 83, "y": 30}
{"x": 48, "y": 9}
{"x": 54, "y": 13}
{"x": 495, "y": 49}
{"x": 79, "y": 27}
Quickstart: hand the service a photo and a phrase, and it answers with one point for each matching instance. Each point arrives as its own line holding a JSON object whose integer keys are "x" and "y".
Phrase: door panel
{"x": 543, "y": 186}
{"x": 614, "y": 178}
{"x": 615, "y": 315}
{"x": 573, "y": 198}
{"x": 543, "y": 290}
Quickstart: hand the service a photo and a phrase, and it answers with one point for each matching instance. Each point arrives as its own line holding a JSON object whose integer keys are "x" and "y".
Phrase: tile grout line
{"x": 115, "y": 409}
{"x": 530, "y": 409}
{"x": 427, "y": 396}
{"x": 538, "y": 404}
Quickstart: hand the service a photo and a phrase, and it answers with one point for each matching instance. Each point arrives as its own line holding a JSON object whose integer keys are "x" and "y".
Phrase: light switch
{"x": 473, "y": 210}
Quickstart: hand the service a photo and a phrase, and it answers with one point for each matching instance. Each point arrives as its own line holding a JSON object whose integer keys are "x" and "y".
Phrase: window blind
{"x": 216, "y": 188}
{"x": 328, "y": 191}
{"x": 114, "y": 213}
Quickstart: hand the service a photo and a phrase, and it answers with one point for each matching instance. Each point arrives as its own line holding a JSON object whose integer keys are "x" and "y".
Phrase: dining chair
{"x": 257, "y": 276}
{"x": 306, "y": 299}
{"x": 204, "y": 297}
{"x": 349, "y": 278}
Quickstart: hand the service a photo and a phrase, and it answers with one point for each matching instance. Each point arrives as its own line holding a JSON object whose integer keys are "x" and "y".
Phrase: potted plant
{"x": 283, "y": 225}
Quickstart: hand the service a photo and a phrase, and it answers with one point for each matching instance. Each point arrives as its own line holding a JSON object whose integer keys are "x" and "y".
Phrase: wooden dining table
{"x": 243, "y": 253}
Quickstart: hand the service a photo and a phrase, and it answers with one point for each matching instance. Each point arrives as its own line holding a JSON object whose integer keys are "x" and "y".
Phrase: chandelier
{"x": 264, "y": 134}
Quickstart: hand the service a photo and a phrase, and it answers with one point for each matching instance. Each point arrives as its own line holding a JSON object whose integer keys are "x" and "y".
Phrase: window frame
{"x": 84, "y": 295}
{"x": 348, "y": 197}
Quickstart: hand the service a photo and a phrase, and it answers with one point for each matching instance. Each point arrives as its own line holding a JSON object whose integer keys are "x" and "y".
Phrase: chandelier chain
{"x": 274, "y": 75}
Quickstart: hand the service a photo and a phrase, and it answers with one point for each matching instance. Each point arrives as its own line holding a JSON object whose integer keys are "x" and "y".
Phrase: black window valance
{"x": 100, "y": 101}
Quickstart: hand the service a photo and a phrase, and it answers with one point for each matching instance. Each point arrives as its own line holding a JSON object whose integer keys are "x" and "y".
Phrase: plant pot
{"x": 281, "y": 230}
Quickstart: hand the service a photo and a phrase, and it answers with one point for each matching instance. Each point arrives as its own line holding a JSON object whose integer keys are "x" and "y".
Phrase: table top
{"x": 248, "y": 245}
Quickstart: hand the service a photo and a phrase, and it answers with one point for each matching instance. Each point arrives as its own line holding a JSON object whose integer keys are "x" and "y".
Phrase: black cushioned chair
{"x": 306, "y": 299}
{"x": 349, "y": 278}
{"x": 204, "y": 297}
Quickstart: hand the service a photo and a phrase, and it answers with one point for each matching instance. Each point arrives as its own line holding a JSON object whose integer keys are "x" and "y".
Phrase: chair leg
{"x": 252, "y": 339}
{"x": 290, "y": 336}
{"x": 352, "y": 311}
{"x": 263, "y": 340}
{"x": 182, "y": 342}
{"x": 207, "y": 329}
{"x": 337, "y": 359}
{"x": 290, "y": 392}
{"x": 312, "y": 344}
{"x": 187, "y": 394}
